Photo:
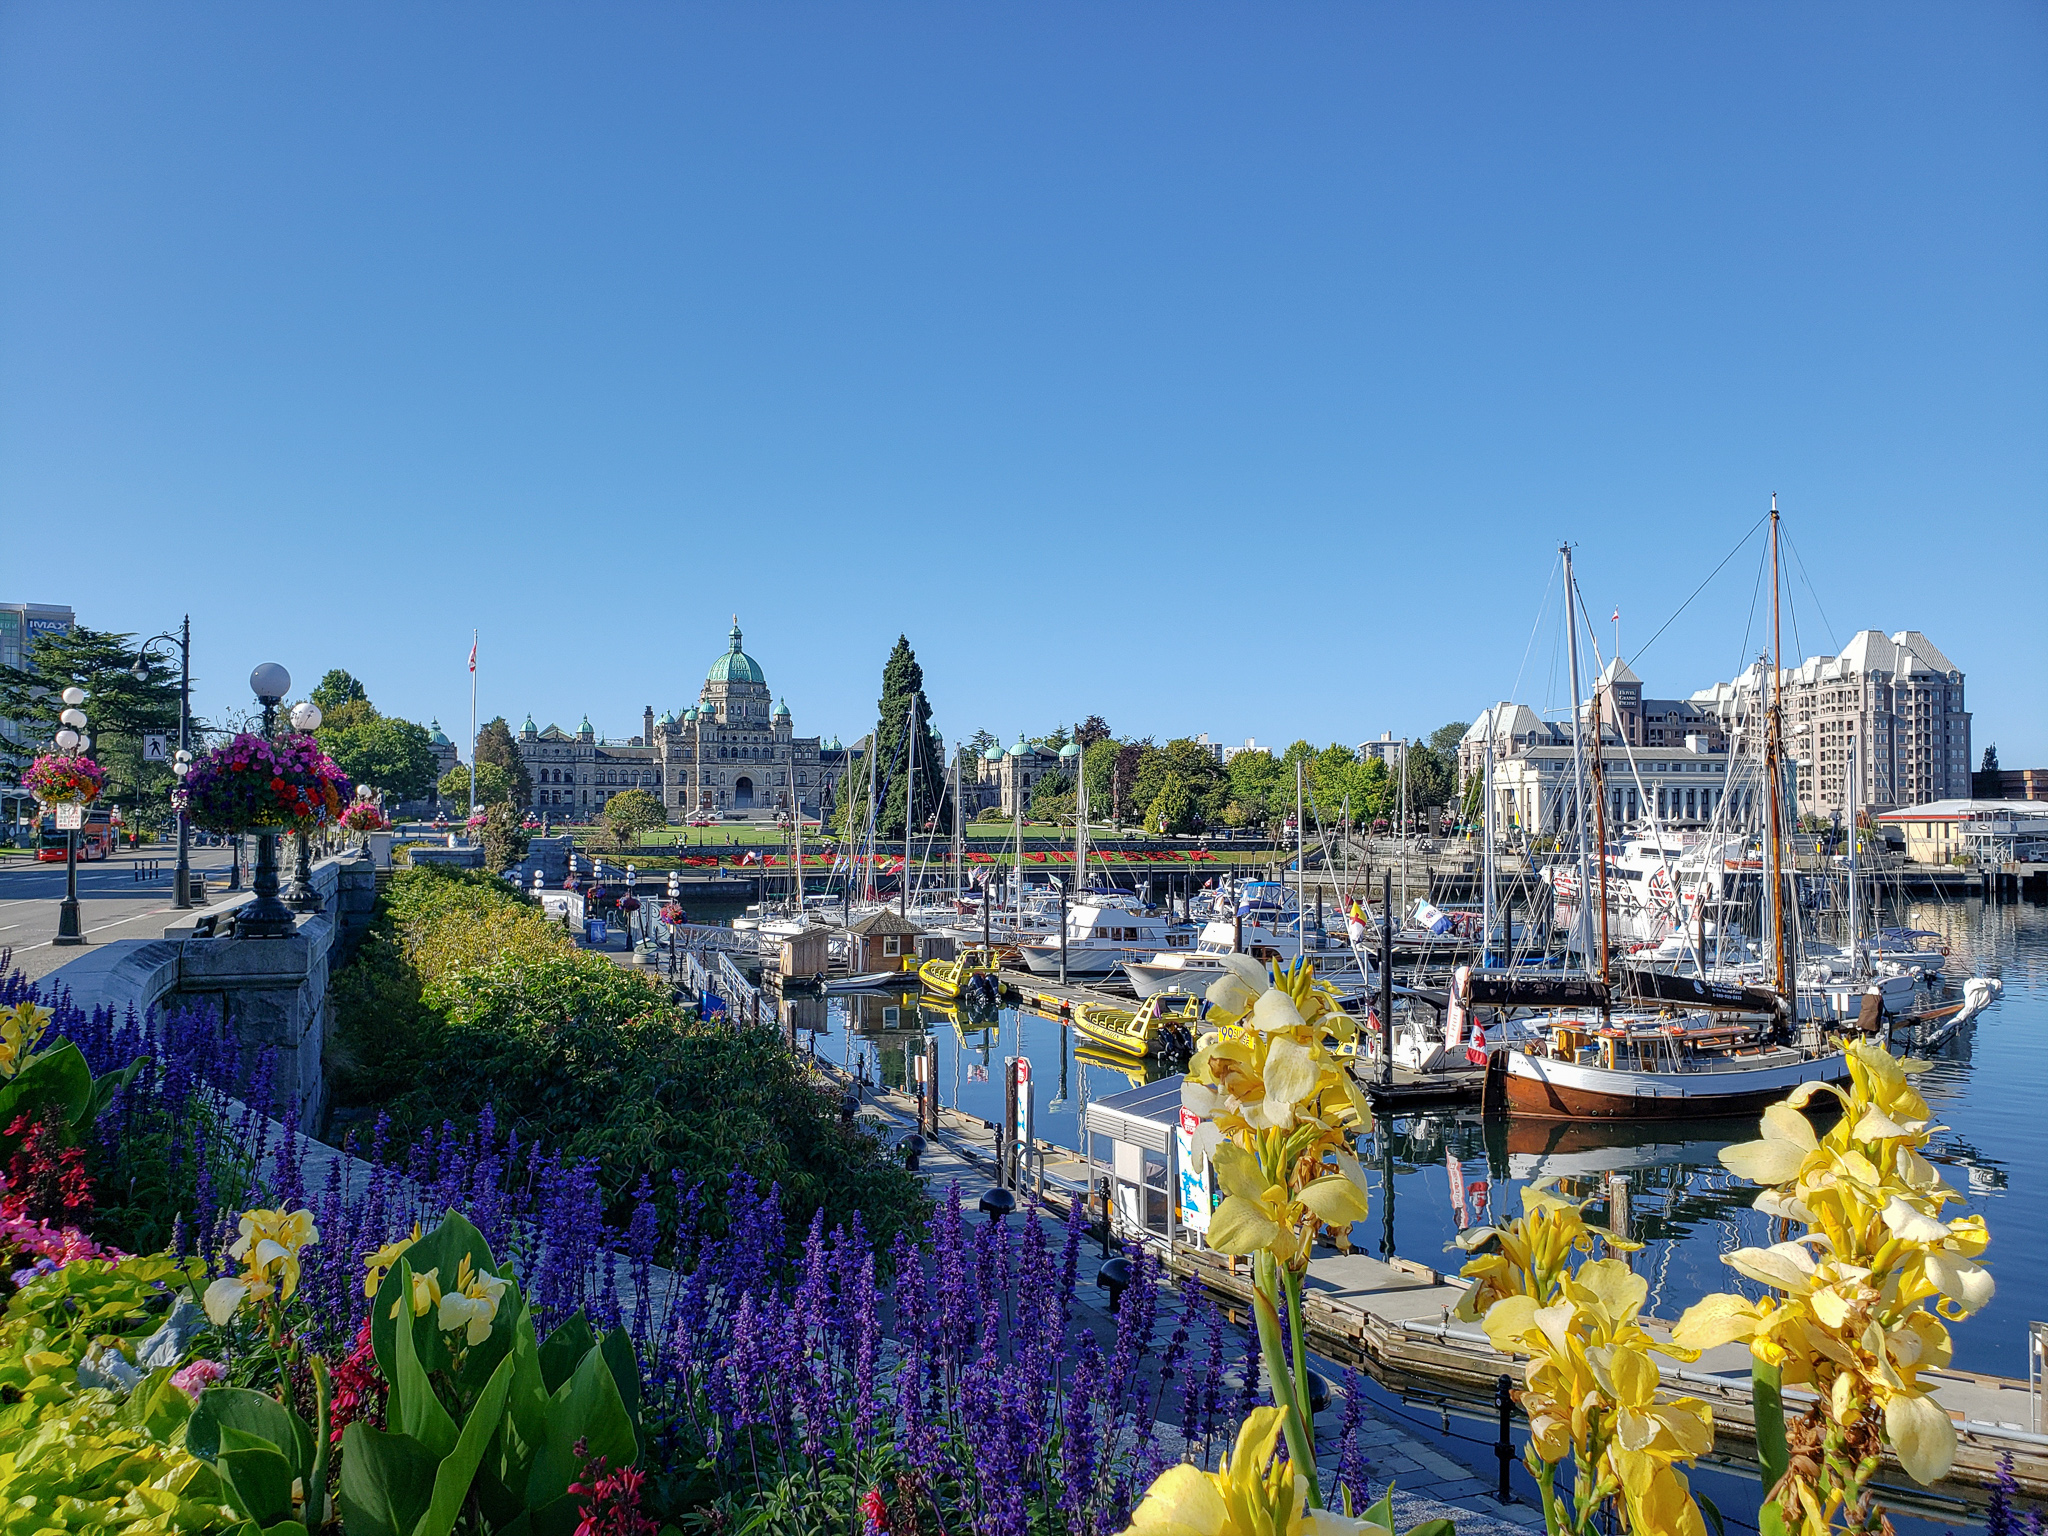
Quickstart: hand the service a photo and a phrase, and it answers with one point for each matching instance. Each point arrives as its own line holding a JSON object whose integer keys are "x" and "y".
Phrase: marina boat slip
{"x": 1103, "y": 934}
{"x": 1260, "y": 922}
{"x": 1162, "y": 1025}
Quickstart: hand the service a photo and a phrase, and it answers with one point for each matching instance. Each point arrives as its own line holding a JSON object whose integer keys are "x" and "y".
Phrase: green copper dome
{"x": 439, "y": 738}
{"x": 782, "y": 710}
{"x": 736, "y": 666}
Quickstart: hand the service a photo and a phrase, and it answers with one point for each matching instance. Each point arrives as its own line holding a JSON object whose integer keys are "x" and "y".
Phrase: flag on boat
{"x": 1358, "y": 923}
{"x": 1476, "y": 1051}
{"x": 1432, "y": 919}
{"x": 751, "y": 856}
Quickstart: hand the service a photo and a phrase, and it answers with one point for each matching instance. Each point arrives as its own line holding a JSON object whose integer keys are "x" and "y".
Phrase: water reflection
{"x": 1432, "y": 1171}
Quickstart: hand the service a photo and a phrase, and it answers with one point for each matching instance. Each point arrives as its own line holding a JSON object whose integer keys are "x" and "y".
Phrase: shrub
{"x": 463, "y": 998}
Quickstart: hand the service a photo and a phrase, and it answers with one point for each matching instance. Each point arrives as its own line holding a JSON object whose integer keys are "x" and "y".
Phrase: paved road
{"x": 113, "y": 904}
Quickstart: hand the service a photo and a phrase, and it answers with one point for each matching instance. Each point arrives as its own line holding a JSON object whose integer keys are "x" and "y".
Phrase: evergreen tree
{"x": 120, "y": 708}
{"x": 343, "y": 702}
{"x": 494, "y": 744}
{"x": 903, "y": 683}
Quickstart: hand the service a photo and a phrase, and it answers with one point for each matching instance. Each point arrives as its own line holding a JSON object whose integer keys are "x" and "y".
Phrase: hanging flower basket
{"x": 477, "y": 818}
{"x": 62, "y": 778}
{"x": 363, "y": 816}
{"x": 254, "y": 785}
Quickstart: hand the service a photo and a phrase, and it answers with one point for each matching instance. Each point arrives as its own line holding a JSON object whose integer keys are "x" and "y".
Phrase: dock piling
{"x": 1504, "y": 1446}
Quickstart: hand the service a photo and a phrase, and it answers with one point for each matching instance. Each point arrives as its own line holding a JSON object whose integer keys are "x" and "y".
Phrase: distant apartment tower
{"x": 1215, "y": 749}
{"x": 1387, "y": 750}
{"x": 1251, "y": 744}
{"x": 1894, "y": 700}
{"x": 21, "y": 625}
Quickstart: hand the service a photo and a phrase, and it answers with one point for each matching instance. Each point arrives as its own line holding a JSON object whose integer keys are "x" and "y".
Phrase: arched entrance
{"x": 743, "y": 794}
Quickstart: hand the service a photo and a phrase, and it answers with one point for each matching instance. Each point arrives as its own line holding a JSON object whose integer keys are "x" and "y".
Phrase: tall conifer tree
{"x": 903, "y": 681}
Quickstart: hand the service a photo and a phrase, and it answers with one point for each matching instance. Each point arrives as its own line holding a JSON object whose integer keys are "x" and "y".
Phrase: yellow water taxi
{"x": 1136, "y": 1032}
{"x": 945, "y": 978}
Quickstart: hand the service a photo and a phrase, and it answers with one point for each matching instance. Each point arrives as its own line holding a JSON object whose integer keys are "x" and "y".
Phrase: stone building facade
{"x": 1894, "y": 700}
{"x": 734, "y": 751}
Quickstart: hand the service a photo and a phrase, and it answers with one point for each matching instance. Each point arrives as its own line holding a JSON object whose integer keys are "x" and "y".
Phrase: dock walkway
{"x": 1390, "y": 1318}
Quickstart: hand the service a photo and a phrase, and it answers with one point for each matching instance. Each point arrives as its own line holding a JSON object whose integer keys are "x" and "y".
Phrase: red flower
{"x": 874, "y": 1513}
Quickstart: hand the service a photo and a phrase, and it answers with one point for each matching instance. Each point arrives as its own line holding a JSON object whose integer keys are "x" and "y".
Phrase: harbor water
{"x": 1988, "y": 1088}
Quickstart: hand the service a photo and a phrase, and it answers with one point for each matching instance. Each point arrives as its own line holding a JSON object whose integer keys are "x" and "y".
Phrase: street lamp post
{"x": 299, "y": 895}
{"x": 71, "y": 722}
{"x": 266, "y": 917}
{"x": 182, "y": 764}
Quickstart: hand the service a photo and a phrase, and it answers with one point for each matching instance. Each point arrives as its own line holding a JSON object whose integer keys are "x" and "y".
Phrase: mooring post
{"x": 1504, "y": 1446}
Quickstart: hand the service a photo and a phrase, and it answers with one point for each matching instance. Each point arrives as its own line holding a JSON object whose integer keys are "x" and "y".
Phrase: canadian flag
{"x": 1476, "y": 1051}
{"x": 472, "y": 653}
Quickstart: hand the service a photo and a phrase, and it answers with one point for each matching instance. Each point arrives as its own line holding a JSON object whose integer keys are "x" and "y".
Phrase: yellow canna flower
{"x": 1532, "y": 1253}
{"x": 1851, "y": 1317}
{"x": 20, "y": 1027}
{"x": 1277, "y": 1109}
{"x": 426, "y": 1292}
{"x": 1250, "y": 1494}
{"x": 473, "y": 1305}
{"x": 267, "y": 1244}
{"x": 377, "y": 1265}
{"x": 1591, "y": 1388}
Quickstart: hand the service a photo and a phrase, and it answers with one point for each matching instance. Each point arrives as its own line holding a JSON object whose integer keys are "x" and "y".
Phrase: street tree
{"x": 493, "y": 786}
{"x": 1174, "y": 809}
{"x": 629, "y": 813}
{"x": 396, "y": 756}
{"x": 494, "y": 744}
{"x": 1092, "y": 730}
{"x": 343, "y": 701}
{"x": 121, "y": 709}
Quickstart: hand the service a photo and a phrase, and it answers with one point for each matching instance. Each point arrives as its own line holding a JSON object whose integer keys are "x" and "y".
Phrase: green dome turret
{"x": 439, "y": 737}
{"x": 736, "y": 666}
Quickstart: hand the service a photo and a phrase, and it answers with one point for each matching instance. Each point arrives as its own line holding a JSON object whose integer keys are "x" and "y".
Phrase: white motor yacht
{"x": 1102, "y": 935}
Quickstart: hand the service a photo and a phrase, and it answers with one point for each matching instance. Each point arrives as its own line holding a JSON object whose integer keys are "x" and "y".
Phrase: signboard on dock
{"x": 1026, "y": 1105}
{"x": 1197, "y": 1190}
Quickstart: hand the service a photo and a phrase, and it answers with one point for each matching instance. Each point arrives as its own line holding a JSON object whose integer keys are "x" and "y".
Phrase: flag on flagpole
{"x": 472, "y": 652}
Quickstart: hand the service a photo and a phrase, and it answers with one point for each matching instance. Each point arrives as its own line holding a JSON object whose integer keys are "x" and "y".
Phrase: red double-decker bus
{"x": 95, "y": 838}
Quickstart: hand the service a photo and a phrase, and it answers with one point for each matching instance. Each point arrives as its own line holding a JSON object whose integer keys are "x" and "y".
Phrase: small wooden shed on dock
{"x": 884, "y": 941}
{"x": 804, "y": 954}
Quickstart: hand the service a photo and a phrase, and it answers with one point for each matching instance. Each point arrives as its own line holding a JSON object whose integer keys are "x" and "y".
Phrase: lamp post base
{"x": 266, "y": 917}
{"x": 69, "y": 928}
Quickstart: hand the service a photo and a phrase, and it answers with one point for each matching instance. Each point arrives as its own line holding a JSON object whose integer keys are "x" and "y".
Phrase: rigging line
{"x": 1542, "y": 608}
{"x": 1749, "y": 624}
{"x": 1696, "y": 591}
{"x": 1814, "y": 592}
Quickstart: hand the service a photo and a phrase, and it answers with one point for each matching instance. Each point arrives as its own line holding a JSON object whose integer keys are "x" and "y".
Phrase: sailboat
{"x": 1678, "y": 1046}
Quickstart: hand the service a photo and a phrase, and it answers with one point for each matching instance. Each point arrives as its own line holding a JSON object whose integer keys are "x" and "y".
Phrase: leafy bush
{"x": 463, "y": 998}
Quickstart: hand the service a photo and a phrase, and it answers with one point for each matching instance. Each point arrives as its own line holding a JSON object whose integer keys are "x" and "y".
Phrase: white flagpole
{"x": 472, "y": 723}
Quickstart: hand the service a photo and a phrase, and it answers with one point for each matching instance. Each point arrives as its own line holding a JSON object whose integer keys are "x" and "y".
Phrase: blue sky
{"x": 1220, "y": 368}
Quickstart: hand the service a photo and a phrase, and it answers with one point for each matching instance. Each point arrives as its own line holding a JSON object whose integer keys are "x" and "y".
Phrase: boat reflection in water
{"x": 1139, "y": 1070}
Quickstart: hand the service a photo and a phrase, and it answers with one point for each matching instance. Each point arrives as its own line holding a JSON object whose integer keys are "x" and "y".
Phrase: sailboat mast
{"x": 1017, "y": 830}
{"x": 909, "y": 806}
{"x": 874, "y": 745}
{"x": 1080, "y": 821}
{"x": 1571, "y": 636}
{"x": 1486, "y": 851}
{"x": 1773, "y": 746}
{"x": 959, "y": 838}
{"x": 1300, "y": 866}
{"x": 1600, "y": 826}
{"x": 1855, "y": 943}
